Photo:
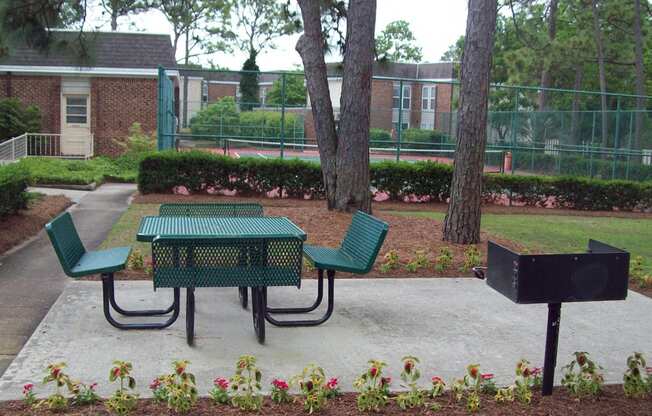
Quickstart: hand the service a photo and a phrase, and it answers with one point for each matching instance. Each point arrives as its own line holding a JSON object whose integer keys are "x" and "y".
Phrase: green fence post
{"x": 616, "y": 139}
{"x": 629, "y": 144}
{"x": 400, "y": 121}
{"x": 591, "y": 147}
{"x": 282, "y": 114}
{"x": 513, "y": 127}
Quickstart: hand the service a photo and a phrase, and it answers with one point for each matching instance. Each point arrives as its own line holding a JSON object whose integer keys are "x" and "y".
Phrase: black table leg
{"x": 190, "y": 315}
{"x": 552, "y": 340}
{"x": 258, "y": 308}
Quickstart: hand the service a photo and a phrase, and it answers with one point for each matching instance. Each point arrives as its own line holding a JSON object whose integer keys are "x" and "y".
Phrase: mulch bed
{"x": 28, "y": 222}
{"x": 611, "y": 402}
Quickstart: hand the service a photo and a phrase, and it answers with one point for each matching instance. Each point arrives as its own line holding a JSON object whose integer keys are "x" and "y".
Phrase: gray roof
{"x": 105, "y": 50}
{"x": 437, "y": 70}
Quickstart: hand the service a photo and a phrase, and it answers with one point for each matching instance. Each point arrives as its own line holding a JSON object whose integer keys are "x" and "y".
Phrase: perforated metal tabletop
{"x": 223, "y": 227}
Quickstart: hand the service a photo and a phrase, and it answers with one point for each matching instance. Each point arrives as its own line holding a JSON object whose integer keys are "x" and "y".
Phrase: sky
{"x": 436, "y": 25}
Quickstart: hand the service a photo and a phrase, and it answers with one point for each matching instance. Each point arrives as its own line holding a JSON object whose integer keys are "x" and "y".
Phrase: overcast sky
{"x": 436, "y": 24}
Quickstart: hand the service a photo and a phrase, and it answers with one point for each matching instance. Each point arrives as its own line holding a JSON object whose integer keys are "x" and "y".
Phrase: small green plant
{"x": 437, "y": 388}
{"x": 308, "y": 265}
{"x": 246, "y": 384}
{"x": 637, "y": 273}
{"x": 473, "y": 383}
{"x": 488, "y": 384}
{"x": 526, "y": 380}
{"x": 280, "y": 393}
{"x": 419, "y": 261}
{"x": 472, "y": 258}
{"x": 159, "y": 391}
{"x": 586, "y": 380}
{"x": 136, "y": 260}
{"x": 180, "y": 388}
{"x": 332, "y": 388}
{"x": 220, "y": 391}
{"x": 504, "y": 395}
{"x": 414, "y": 397}
{"x": 85, "y": 394}
{"x": 634, "y": 382}
{"x": 391, "y": 262}
{"x": 372, "y": 387}
{"x": 57, "y": 402}
{"x": 312, "y": 387}
{"x": 444, "y": 260}
{"x": 29, "y": 398}
{"x": 122, "y": 402}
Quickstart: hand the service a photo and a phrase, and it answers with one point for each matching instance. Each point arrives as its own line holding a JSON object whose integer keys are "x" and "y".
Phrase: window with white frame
{"x": 407, "y": 96}
{"x": 76, "y": 110}
{"x": 428, "y": 97}
{"x": 204, "y": 92}
{"x": 263, "y": 96}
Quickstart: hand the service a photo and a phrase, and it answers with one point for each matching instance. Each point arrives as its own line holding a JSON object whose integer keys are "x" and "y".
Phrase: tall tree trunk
{"x": 546, "y": 79}
{"x": 462, "y": 223}
{"x": 640, "y": 75}
{"x": 114, "y": 19}
{"x": 575, "y": 107}
{"x": 597, "y": 33}
{"x": 185, "y": 80}
{"x": 353, "y": 130}
{"x": 310, "y": 47}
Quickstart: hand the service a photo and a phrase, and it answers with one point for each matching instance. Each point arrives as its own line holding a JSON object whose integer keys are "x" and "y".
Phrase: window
{"x": 76, "y": 110}
{"x": 405, "y": 126}
{"x": 204, "y": 92}
{"x": 428, "y": 96}
{"x": 407, "y": 96}
{"x": 263, "y": 96}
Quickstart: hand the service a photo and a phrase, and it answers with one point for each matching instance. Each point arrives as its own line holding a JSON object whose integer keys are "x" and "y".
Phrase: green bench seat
{"x": 76, "y": 262}
{"x": 211, "y": 210}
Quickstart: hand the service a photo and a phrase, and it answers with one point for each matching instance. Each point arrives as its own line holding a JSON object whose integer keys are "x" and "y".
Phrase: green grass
{"x": 49, "y": 171}
{"x": 123, "y": 232}
{"x": 566, "y": 234}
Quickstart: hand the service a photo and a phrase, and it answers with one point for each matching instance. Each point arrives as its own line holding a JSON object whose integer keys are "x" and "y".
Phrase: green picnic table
{"x": 253, "y": 252}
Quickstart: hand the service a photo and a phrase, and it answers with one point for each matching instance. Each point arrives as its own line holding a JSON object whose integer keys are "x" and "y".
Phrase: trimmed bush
{"x": 203, "y": 172}
{"x": 16, "y": 119}
{"x": 14, "y": 180}
{"x": 380, "y": 138}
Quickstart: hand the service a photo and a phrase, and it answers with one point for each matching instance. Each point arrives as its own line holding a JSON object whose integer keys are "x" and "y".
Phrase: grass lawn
{"x": 564, "y": 234}
{"x": 48, "y": 171}
{"x": 123, "y": 233}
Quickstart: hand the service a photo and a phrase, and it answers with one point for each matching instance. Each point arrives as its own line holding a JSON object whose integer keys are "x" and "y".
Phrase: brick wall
{"x": 444, "y": 102}
{"x": 41, "y": 91}
{"x": 117, "y": 103}
{"x": 217, "y": 91}
{"x": 381, "y": 104}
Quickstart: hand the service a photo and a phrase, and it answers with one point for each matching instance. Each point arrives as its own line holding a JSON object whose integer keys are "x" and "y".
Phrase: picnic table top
{"x": 218, "y": 227}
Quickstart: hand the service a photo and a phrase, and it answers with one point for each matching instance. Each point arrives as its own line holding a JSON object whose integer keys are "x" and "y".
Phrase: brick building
{"x": 100, "y": 96}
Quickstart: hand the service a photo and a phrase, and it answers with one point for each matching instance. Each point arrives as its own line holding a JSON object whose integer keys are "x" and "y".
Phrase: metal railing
{"x": 47, "y": 145}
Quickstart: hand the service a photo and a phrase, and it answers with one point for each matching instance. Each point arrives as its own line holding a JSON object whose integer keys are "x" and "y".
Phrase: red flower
{"x": 581, "y": 359}
{"x": 373, "y": 371}
{"x": 27, "y": 388}
{"x": 436, "y": 379}
{"x": 117, "y": 372}
{"x": 309, "y": 385}
{"x": 155, "y": 384}
{"x": 93, "y": 386}
{"x": 385, "y": 381}
{"x": 221, "y": 383}
{"x": 526, "y": 372}
{"x": 332, "y": 383}
{"x": 408, "y": 366}
{"x": 280, "y": 384}
{"x": 55, "y": 372}
{"x": 487, "y": 376}
{"x": 180, "y": 370}
{"x": 473, "y": 372}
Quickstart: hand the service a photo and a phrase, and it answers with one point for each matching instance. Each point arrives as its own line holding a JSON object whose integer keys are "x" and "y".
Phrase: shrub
{"x": 16, "y": 119}
{"x": 218, "y": 118}
{"x": 180, "y": 388}
{"x": 312, "y": 388}
{"x": 380, "y": 138}
{"x": 582, "y": 376}
{"x": 14, "y": 180}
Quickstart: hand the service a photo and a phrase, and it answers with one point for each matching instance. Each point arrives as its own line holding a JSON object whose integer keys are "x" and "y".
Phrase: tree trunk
{"x": 310, "y": 47}
{"x": 597, "y": 33}
{"x": 353, "y": 131}
{"x": 640, "y": 75}
{"x": 575, "y": 107}
{"x": 114, "y": 20}
{"x": 185, "y": 81}
{"x": 462, "y": 223}
{"x": 546, "y": 79}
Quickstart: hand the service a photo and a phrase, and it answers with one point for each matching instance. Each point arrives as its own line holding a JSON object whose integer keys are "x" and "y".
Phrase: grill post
{"x": 552, "y": 339}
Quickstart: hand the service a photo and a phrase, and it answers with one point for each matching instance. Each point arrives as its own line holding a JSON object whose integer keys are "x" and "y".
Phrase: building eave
{"x": 85, "y": 71}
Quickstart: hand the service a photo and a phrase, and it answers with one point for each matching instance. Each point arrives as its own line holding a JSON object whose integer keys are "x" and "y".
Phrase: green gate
{"x": 166, "y": 120}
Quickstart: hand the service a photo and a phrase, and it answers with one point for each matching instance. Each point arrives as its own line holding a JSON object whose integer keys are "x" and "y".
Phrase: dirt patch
{"x": 611, "y": 402}
{"x": 28, "y": 222}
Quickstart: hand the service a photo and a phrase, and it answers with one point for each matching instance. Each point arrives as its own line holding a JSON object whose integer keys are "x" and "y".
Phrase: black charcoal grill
{"x": 600, "y": 274}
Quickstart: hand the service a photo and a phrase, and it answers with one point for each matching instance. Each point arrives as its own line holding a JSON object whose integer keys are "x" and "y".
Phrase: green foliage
{"x": 122, "y": 402}
{"x": 372, "y": 387}
{"x": 57, "y": 402}
{"x": 635, "y": 384}
{"x": 444, "y": 260}
{"x": 295, "y": 91}
{"x": 14, "y": 180}
{"x": 391, "y": 262}
{"x": 472, "y": 258}
{"x": 136, "y": 261}
{"x": 396, "y": 43}
{"x": 582, "y": 376}
{"x": 380, "y": 138}
{"x": 135, "y": 147}
{"x": 249, "y": 90}
{"x": 637, "y": 272}
{"x": 419, "y": 261}
{"x": 16, "y": 119}
{"x": 417, "y": 136}
{"x": 219, "y": 118}
{"x": 85, "y": 394}
{"x": 410, "y": 375}
{"x": 246, "y": 384}
{"x": 312, "y": 387}
{"x": 220, "y": 391}
{"x": 279, "y": 394}
{"x": 48, "y": 171}
{"x": 180, "y": 388}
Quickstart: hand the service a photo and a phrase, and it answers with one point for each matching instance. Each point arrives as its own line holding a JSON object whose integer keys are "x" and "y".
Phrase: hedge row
{"x": 13, "y": 182}
{"x": 202, "y": 172}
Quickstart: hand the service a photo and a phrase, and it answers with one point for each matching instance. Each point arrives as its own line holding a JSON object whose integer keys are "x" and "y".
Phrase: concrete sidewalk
{"x": 30, "y": 276}
{"x": 448, "y": 323}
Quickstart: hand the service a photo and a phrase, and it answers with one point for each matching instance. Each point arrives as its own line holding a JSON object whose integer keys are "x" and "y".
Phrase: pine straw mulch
{"x": 28, "y": 222}
{"x": 611, "y": 402}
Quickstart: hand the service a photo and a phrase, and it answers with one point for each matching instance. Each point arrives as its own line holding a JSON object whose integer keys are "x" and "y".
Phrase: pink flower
{"x": 93, "y": 386}
{"x": 536, "y": 371}
{"x": 385, "y": 381}
{"x": 155, "y": 384}
{"x": 648, "y": 370}
{"x": 55, "y": 372}
{"x": 27, "y": 388}
{"x": 487, "y": 376}
{"x": 116, "y": 372}
{"x": 373, "y": 371}
{"x": 221, "y": 383}
{"x": 332, "y": 383}
{"x": 280, "y": 384}
{"x": 437, "y": 380}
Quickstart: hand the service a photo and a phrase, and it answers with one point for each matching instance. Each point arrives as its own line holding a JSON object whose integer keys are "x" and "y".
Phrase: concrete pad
{"x": 75, "y": 195}
{"x": 448, "y": 323}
